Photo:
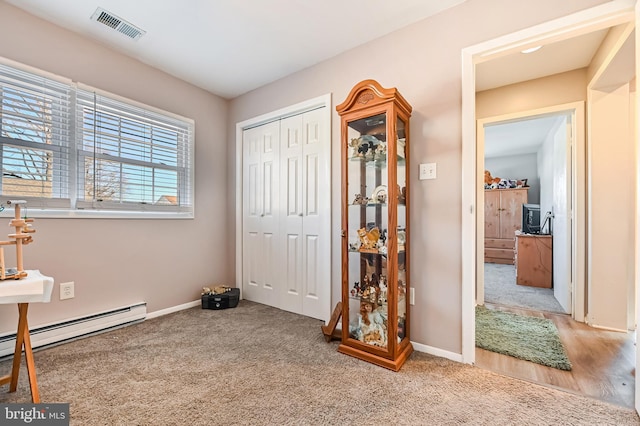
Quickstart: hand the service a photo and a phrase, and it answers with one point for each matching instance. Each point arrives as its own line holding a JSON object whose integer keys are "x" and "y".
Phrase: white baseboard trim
{"x": 173, "y": 309}
{"x": 437, "y": 352}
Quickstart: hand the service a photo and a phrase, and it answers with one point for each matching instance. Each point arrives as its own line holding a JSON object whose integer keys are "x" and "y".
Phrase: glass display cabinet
{"x": 375, "y": 225}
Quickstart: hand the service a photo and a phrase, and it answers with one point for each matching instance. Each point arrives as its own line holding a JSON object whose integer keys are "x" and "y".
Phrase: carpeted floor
{"x": 257, "y": 365}
{"x": 500, "y": 287}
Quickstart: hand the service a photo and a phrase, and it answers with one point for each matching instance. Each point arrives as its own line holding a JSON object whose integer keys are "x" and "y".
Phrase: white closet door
{"x": 260, "y": 204}
{"x": 305, "y": 180}
{"x": 287, "y": 214}
{"x": 292, "y": 213}
{"x": 316, "y": 213}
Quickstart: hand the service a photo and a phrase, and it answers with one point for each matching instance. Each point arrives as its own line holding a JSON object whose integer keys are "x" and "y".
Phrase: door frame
{"x": 599, "y": 17}
{"x": 323, "y": 101}
{"x": 603, "y": 16}
{"x": 578, "y": 190}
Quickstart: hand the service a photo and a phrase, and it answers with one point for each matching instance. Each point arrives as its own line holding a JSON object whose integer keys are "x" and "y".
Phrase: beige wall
{"x": 424, "y": 62}
{"x": 118, "y": 262}
{"x": 611, "y": 206}
{"x": 544, "y": 92}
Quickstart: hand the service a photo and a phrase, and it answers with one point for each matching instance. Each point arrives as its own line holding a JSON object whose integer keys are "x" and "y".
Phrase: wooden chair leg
{"x": 31, "y": 368}
{"x": 23, "y": 339}
{"x": 17, "y": 354}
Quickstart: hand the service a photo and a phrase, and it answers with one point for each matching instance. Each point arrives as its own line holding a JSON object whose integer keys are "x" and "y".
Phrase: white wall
{"x": 424, "y": 62}
{"x": 523, "y": 166}
{"x": 611, "y": 225}
{"x": 611, "y": 156}
{"x": 117, "y": 262}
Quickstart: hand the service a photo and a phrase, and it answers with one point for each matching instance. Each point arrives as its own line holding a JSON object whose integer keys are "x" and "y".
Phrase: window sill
{"x": 37, "y": 213}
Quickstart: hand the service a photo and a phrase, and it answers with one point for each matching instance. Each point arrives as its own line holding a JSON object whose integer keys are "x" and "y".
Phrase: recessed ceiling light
{"x": 531, "y": 49}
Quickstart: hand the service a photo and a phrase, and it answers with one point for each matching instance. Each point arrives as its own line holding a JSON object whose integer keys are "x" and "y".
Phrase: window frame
{"x": 71, "y": 206}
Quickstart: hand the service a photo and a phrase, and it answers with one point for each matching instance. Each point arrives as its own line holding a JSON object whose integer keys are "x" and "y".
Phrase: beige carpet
{"x": 257, "y": 365}
{"x": 500, "y": 288}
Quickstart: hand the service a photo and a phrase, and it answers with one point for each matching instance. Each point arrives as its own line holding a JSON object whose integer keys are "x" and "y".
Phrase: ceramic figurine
{"x": 354, "y": 146}
{"x": 383, "y": 289}
{"x": 369, "y": 239}
{"x": 381, "y": 151}
{"x": 359, "y": 199}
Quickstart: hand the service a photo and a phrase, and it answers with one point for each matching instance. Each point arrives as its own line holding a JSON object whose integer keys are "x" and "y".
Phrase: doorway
{"x": 532, "y": 153}
{"x": 602, "y": 17}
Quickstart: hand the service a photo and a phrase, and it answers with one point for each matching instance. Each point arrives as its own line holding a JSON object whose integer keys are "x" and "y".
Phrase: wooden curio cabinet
{"x": 375, "y": 225}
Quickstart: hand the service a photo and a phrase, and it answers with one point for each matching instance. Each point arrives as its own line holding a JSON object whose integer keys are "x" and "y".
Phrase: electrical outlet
{"x": 412, "y": 296}
{"x": 427, "y": 171}
{"x": 67, "y": 290}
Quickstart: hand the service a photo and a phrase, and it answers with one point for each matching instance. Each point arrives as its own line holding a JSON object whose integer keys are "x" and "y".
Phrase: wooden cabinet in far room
{"x": 534, "y": 260}
{"x": 502, "y": 218}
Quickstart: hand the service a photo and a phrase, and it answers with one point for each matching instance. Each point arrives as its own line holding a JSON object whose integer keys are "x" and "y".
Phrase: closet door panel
{"x": 252, "y": 209}
{"x": 260, "y": 206}
{"x": 316, "y": 248}
{"x": 292, "y": 216}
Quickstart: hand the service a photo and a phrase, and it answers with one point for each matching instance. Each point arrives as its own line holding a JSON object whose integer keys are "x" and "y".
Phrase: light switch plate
{"x": 427, "y": 171}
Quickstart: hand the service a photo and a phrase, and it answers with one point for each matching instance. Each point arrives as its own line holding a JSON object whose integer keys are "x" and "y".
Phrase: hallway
{"x": 603, "y": 362}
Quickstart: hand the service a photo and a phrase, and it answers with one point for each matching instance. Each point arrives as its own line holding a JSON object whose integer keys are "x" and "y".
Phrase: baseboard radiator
{"x": 78, "y": 327}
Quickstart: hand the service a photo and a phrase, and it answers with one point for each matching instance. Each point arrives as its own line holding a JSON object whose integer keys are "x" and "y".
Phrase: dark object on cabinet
{"x": 226, "y": 300}
{"x": 531, "y": 218}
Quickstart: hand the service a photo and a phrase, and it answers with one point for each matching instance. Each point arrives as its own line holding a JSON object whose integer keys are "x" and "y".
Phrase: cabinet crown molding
{"x": 368, "y": 93}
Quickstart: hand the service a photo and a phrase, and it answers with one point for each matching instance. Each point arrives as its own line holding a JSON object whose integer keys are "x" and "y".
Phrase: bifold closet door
{"x": 261, "y": 239}
{"x": 286, "y": 215}
{"x": 306, "y": 247}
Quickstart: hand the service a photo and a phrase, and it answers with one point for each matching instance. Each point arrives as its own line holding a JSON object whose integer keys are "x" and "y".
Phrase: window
{"x": 35, "y": 123}
{"x": 69, "y": 147}
{"x": 130, "y": 157}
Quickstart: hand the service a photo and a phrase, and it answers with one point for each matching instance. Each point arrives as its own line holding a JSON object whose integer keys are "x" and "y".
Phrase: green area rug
{"x": 528, "y": 338}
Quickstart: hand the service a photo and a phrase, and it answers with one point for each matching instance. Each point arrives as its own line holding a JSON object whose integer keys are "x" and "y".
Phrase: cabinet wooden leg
{"x": 329, "y": 329}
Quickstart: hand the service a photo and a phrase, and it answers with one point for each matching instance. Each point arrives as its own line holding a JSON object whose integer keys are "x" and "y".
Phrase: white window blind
{"x": 131, "y": 158}
{"x": 69, "y": 147}
{"x": 35, "y": 138}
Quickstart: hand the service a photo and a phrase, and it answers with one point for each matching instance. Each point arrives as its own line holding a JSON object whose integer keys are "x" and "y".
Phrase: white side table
{"x": 32, "y": 289}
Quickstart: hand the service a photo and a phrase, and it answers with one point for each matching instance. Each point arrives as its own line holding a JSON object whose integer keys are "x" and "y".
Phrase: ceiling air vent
{"x": 118, "y": 24}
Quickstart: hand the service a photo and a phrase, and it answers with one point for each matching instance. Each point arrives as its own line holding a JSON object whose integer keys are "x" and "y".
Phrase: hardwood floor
{"x": 603, "y": 362}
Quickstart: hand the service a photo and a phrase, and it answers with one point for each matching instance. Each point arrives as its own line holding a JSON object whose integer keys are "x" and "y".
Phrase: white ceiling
{"x": 232, "y": 47}
{"x": 526, "y": 136}
{"x": 518, "y": 137}
{"x": 554, "y": 58}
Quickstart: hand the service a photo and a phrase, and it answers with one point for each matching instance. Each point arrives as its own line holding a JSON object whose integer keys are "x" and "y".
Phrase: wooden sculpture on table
{"x": 19, "y": 238}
